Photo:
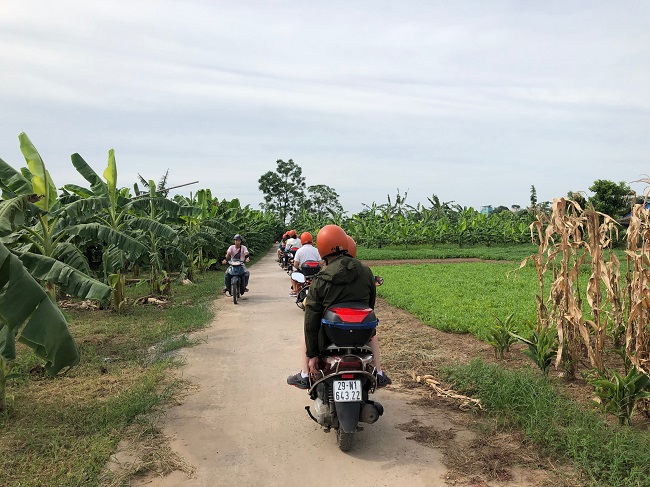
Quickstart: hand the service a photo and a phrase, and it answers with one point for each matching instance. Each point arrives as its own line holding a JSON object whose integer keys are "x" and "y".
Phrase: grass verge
{"x": 61, "y": 431}
{"x": 604, "y": 453}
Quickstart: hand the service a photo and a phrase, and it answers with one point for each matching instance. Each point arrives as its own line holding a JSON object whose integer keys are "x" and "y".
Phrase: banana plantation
{"x": 397, "y": 223}
{"x": 84, "y": 241}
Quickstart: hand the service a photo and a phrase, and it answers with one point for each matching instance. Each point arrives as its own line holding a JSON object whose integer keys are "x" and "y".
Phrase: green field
{"x": 404, "y": 252}
{"x": 462, "y": 298}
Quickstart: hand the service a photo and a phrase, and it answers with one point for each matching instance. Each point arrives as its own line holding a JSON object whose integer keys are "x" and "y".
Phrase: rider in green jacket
{"x": 343, "y": 279}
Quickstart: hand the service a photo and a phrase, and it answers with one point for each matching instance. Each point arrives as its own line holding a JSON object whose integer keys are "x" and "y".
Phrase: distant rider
{"x": 303, "y": 254}
{"x": 237, "y": 251}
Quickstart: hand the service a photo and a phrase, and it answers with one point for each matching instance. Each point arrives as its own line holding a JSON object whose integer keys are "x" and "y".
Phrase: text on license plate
{"x": 347, "y": 390}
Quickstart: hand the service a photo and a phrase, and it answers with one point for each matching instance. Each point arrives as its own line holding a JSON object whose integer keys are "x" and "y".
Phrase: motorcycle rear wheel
{"x": 344, "y": 440}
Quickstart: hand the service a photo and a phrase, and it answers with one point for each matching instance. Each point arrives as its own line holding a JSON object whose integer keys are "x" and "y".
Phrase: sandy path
{"x": 246, "y": 427}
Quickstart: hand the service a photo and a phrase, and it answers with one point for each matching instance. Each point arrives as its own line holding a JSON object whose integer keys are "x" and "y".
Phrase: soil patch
{"x": 486, "y": 457}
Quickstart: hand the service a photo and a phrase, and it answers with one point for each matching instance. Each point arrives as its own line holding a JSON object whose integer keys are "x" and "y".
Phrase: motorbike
{"x": 237, "y": 271}
{"x": 345, "y": 378}
{"x": 303, "y": 277}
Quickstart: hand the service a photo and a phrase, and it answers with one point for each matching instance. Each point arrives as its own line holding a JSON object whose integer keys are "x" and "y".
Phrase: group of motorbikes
{"x": 345, "y": 375}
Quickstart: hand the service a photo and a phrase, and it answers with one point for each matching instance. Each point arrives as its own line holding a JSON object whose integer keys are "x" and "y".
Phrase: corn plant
{"x": 618, "y": 394}
{"x": 500, "y": 336}
{"x": 542, "y": 347}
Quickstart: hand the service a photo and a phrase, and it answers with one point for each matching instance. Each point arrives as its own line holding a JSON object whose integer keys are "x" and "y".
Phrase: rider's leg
{"x": 374, "y": 346}
{"x": 226, "y": 280}
{"x": 246, "y": 276}
{"x": 305, "y": 361}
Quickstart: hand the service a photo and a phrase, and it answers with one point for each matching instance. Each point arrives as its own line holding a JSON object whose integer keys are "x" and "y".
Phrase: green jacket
{"x": 344, "y": 279}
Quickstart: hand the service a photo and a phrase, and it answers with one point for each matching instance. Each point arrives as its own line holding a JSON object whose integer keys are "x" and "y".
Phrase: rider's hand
{"x": 223, "y": 261}
{"x": 313, "y": 364}
{"x": 247, "y": 259}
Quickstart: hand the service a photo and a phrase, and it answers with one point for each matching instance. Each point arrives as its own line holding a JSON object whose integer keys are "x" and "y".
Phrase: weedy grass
{"x": 497, "y": 252}
{"x": 464, "y": 297}
{"x": 61, "y": 431}
{"x": 522, "y": 399}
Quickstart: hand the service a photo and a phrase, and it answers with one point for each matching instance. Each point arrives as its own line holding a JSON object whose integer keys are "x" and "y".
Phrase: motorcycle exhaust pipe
{"x": 369, "y": 413}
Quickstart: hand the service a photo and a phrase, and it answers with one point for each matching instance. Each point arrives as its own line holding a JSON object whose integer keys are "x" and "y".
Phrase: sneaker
{"x": 224, "y": 290}
{"x": 383, "y": 380}
{"x": 245, "y": 290}
{"x": 298, "y": 381}
{"x": 292, "y": 294}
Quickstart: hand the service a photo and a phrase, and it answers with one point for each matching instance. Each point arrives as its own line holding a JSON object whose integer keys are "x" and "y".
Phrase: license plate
{"x": 347, "y": 390}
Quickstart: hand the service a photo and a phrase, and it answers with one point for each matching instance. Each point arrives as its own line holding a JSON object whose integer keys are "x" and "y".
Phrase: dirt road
{"x": 246, "y": 427}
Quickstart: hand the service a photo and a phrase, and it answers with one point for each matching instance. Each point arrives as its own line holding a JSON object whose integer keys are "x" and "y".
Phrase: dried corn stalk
{"x": 465, "y": 401}
{"x": 565, "y": 238}
{"x": 638, "y": 295}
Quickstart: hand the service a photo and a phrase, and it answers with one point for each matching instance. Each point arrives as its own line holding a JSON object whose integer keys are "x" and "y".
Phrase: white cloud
{"x": 474, "y": 101}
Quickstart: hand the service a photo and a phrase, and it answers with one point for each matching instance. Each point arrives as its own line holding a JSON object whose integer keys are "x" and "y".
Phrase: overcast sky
{"x": 473, "y": 101}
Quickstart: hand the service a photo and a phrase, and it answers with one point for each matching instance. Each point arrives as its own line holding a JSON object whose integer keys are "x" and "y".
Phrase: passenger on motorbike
{"x": 292, "y": 242}
{"x": 303, "y": 254}
{"x": 236, "y": 251}
{"x": 344, "y": 279}
{"x": 281, "y": 246}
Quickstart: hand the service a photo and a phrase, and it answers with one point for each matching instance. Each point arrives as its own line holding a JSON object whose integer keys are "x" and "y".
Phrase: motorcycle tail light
{"x": 347, "y": 376}
{"x": 352, "y": 315}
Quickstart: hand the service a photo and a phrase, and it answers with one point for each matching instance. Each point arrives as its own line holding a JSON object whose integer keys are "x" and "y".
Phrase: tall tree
{"x": 323, "y": 200}
{"x": 610, "y": 198}
{"x": 533, "y": 198}
{"x": 284, "y": 189}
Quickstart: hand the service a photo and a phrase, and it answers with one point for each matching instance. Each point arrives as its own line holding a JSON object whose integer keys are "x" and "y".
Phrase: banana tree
{"x": 23, "y": 300}
{"x": 197, "y": 232}
{"x": 56, "y": 228}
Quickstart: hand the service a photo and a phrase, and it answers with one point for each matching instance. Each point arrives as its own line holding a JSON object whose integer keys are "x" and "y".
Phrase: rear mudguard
{"x": 348, "y": 415}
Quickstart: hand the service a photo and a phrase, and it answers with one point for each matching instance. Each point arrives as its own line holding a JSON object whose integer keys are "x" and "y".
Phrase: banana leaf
{"x": 12, "y": 213}
{"x": 78, "y": 190}
{"x": 96, "y": 231}
{"x": 70, "y": 254}
{"x": 13, "y": 181}
{"x": 46, "y": 332}
{"x": 160, "y": 230}
{"x": 97, "y": 186}
{"x": 41, "y": 181}
{"x": 69, "y": 279}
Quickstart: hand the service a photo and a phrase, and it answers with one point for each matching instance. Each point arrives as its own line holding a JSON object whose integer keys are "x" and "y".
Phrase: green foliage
{"x": 619, "y": 394}
{"x": 22, "y": 300}
{"x": 323, "y": 201}
{"x": 500, "y": 336}
{"x": 284, "y": 189}
{"x": 542, "y": 347}
{"x": 610, "y": 198}
{"x": 520, "y": 399}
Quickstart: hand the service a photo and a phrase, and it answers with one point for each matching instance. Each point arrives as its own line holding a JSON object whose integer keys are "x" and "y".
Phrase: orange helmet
{"x": 331, "y": 239}
{"x": 284, "y": 235}
{"x": 306, "y": 238}
{"x": 352, "y": 247}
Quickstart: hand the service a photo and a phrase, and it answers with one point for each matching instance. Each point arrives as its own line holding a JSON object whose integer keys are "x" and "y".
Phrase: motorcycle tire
{"x": 234, "y": 290}
{"x": 344, "y": 440}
